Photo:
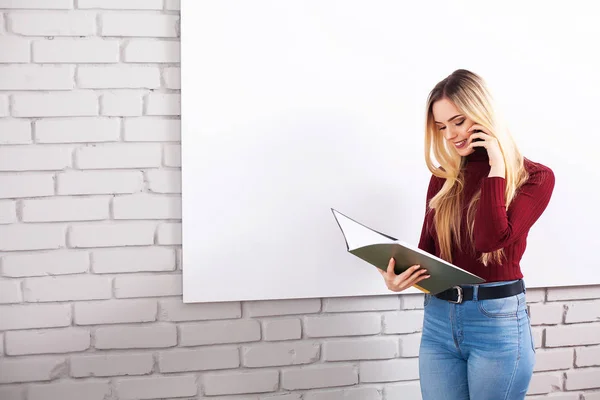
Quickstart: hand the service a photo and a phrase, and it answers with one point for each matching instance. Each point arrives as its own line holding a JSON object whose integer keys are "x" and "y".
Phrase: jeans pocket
{"x": 505, "y": 307}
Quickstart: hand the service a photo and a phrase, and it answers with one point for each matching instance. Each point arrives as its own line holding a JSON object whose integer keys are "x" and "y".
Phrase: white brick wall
{"x": 90, "y": 245}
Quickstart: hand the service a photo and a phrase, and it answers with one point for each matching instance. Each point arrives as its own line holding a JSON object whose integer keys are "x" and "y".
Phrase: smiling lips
{"x": 461, "y": 144}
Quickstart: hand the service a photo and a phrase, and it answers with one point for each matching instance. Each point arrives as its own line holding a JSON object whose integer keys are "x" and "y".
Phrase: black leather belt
{"x": 458, "y": 294}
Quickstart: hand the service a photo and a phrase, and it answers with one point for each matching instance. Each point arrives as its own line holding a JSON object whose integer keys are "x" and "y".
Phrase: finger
{"x": 406, "y": 275}
{"x": 391, "y": 265}
{"x": 478, "y": 128}
{"x": 414, "y": 278}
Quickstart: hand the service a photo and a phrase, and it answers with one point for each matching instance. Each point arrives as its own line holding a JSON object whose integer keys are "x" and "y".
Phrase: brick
{"x": 173, "y": 5}
{"x": 169, "y": 233}
{"x": 245, "y": 382}
{"x": 342, "y": 325}
{"x": 151, "y": 129}
{"x": 219, "y": 332}
{"x": 14, "y": 50}
{"x": 573, "y": 335}
{"x": 66, "y": 209}
{"x": 163, "y": 104}
{"x": 584, "y": 378}
{"x": 553, "y": 359}
{"x": 55, "y": 104}
{"x": 26, "y": 185}
{"x": 77, "y": 130}
{"x": 79, "y": 50}
{"x": 133, "y": 260}
{"x": 59, "y": 262}
{"x": 536, "y": 295}
{"x": 402, "y": 322}
{"x": 583, "y": 311}
{"x": 70, "y": 23}
{"x": 34, "y": 158}
{"x": 118, "y": 76}
{"x": 49, "y": 341}
{"x": 146, "y": 206}
{"x": 122, "y": 4}
{"x": 37, "y": 4}
{"x": 353, "y": 304}
{"x": 361, "y": 393}
{"x": 37, "y": 77}
{"x": 265, "y": 308}
{"x": 136, "y": 337}
{"x": 172, "y": 155}
{"x": 10, "y": 292}
{"x": 121, "y": 155}
{"x": 99, "y": 182}
{"x": 278, "y": 354}
{"x": 115, "y": 312}
{"x": 409, "y": 345}
{"x": 137, "y": 233}
{"x": 106, "y": 365}
{"x": 28, "y": 316}
{"x": 282, "y": 329}
{"x": 16, "y": 392}
{"x": 128, "y": 24}
{"x": 15, "y": 131}
{"x": 538, "y": 335}
{"x": 8, "y": 212}
{"x": 67, "y": 288}
{"x": 412, "y": 301}
{"x": 177, "y": 311}
{"x": 319, "y": 377}
{"x": 399, "y": 369}
{"x": 546, "y": 314}
{"x": 4, "y": 112}
{"x": 152, "y": 51}
{"x": 361, "y": 349}
{"x": 404, "y": 390}
{"x": 198, "y": 359}
{"x": 573, "y": 293}
{"x": 545, "y": 382}
{"x": 587, "y": 356}
{"x": 164, "y": 181}
{"x": 156, "y": 387}
{"x": 155, "y": 285}
{"x": 31, "y": 237}
{"x": 172, "y": 78}
{"x": 91, "y": 390}
{"x": 122, "y": 103}
{"x": 31, "y": 369}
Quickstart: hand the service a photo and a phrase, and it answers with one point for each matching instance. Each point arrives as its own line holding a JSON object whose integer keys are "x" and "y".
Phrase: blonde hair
{"x": 469, "y": 93}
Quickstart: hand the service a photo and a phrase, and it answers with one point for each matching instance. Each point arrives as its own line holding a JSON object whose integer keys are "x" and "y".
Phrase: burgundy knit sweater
{"x": 495, "y": 226}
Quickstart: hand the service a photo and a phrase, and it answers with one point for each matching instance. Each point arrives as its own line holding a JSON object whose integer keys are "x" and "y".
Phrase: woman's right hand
{"x": 398, "y": 283}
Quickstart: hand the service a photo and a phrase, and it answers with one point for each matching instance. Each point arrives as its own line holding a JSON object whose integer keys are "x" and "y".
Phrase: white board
{"x": 290, "y": 108}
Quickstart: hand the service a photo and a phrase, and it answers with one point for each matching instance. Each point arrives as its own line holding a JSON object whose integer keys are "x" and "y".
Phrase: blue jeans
{"x": 478, "y": 350}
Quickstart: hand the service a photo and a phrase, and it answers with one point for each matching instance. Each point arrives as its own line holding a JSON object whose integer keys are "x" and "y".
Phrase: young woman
{"x": 481, "y": 203}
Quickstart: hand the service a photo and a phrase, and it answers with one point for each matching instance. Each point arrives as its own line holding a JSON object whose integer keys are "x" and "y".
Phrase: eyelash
{"x": 459, "y": 124}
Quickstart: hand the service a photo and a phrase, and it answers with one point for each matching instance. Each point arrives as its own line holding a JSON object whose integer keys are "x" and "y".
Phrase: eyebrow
{"x": 456, "y": 116}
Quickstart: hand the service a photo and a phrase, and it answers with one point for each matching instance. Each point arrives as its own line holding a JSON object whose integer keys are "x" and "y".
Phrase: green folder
{"x": 377, "y": 248}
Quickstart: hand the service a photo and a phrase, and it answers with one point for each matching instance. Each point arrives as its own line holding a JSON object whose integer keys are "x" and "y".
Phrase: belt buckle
{"x": 460, "y": 295}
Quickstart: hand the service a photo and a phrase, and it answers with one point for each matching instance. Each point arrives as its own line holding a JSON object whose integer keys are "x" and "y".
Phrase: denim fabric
{"x": 477, "y": 350}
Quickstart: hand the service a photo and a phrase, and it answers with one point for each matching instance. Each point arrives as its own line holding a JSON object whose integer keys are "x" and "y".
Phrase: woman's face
{"x": 453, "y": 125}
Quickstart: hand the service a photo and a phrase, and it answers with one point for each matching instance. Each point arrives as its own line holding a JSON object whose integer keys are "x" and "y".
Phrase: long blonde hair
{"x": 469, "y": 93}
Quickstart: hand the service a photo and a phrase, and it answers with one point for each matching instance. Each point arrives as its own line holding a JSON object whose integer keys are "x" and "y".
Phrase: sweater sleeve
{"x": 426, "y": 241}
{"x": 494, "y": 226}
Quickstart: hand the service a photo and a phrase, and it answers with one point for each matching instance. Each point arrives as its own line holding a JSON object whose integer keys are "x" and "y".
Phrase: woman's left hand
{"x": 492, "y": 147}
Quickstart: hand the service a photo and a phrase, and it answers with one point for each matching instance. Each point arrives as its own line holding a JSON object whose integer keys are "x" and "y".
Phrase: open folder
{"x": 377, "y": 248}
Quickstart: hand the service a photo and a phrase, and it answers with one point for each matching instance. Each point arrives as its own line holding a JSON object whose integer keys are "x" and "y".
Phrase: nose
{"x": 450, "y": 133}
